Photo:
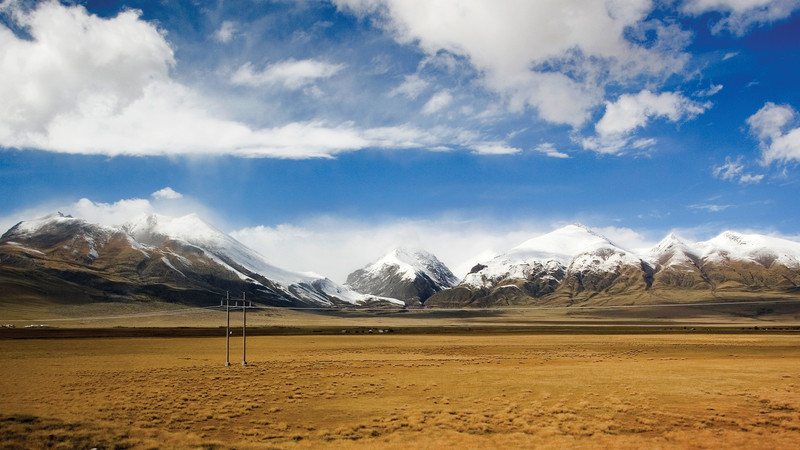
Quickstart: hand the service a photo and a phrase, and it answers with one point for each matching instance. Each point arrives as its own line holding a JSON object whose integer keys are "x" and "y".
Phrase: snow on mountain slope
{"x": 152, "y": 229}
{"x": 757, "y": 248}
{"x": 672, "y": 251}
{"x": 192, "y": 230}
{"x": 29, "y": 227}
{"x": 573, "y": 248}
{"x": 560, "y": 245}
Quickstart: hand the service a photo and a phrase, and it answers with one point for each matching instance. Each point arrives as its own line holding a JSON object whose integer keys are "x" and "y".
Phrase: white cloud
{"x": 748, "y": 178}
{"x": 554, "y": 56}
{"x": 411, "y": 87}
{"x": 733, "y": 170}
{"x": 350, "y": 244}
{"x": 630, "y": 112}
{"x": 72, "y": 55}
{"x": 495, "y": 148}
{"x": 550, "y": 150}
{"x": 437, "y": 102}
{"x": 730, "y": 55}
{"x": 292, "y": 74}
{"x": 118, "y": 212}
{"x": 710, "y": 207}
{"x": 739, "y": 16}
{"x": 166, "y": 193}
{"x": 633, "y": 111}
{"x": 643, "y": 143}
{"x": 626, "y": 238}
{"x": 776, "y": 128}
{"x": 226, "y": 32}
{"x": 712, "y": 90}
{"x": 771, "y": 120}
{"x": 80, "y": 85}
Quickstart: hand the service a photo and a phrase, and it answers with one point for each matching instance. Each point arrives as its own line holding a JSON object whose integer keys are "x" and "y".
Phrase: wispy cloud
{"x": 712, "y": 90}
{"x": 733, "y": 170}
{"x": 437, "y": 102}
{"x": 739, "y": 16}
{"x": 710, "y": 207}
{"x": 550, "y": 150}
{"x": 226, "y": 32}
{"x": 730, "y": 55}
{"x": 291, "y": 74}
{"x": 411, "y": 87}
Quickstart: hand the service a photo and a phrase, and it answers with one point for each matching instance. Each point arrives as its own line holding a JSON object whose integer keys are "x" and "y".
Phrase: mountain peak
{"x": 406, "y": 273}
{"x": 190, "y": 228}
{"x": 671, "y": 251}
{"x": 559, "y": 245}
{"x": 35, "y": 225}
{"x": 406, "y": 256}
{"x": 409, "y": 262}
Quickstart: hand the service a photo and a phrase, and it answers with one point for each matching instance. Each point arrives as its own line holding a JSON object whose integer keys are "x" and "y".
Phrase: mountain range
{"x": 577, "y": 266}
{"x": 61, "y": 259}
{"x": 64, "y": 259}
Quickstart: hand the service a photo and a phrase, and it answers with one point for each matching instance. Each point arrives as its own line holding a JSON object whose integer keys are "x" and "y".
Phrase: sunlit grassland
{"x": 404, "y": 391}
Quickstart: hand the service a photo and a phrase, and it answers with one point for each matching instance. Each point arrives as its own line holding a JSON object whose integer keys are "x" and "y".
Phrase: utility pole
{"x": 244, "y": 331}
{"x": 228, "y": 330}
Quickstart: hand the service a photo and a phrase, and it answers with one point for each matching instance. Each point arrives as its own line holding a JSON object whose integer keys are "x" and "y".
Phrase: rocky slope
{"x": 576, "y": 266}
{"x": 62, "y": 259}
{"x": 410, "y": 275}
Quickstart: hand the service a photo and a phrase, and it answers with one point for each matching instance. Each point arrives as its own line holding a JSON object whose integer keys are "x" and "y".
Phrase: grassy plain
{"x": 404, "y": 391}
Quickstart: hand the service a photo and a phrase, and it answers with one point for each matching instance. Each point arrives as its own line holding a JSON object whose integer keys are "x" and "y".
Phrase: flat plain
{"x": 392, "y": 390}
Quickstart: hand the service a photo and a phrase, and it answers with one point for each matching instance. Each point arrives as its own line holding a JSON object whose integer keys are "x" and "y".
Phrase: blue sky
{"x": 324, "y": 133}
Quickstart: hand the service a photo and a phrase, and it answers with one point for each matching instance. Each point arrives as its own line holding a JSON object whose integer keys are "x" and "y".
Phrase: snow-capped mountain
{"x": 63, "y": 259}
{"x": 575, "y": 265}
{"x": 572, "y": 261}
{"x": 729, "y": 262}
{"x": 677, "y": 265}
{"x": 760, "y": 249}
{"x": 410, "y": 275}
{"x": 174, "y": 259}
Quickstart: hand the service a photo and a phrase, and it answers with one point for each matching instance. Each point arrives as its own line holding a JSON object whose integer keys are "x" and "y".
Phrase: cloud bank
{"x": 74, "y": 82}
{"x": 80, "y": 85}
{"x": 553, "y": 56}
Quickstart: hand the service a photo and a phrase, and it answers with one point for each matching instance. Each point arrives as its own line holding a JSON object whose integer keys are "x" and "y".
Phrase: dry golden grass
{"x": 367, "y": 391}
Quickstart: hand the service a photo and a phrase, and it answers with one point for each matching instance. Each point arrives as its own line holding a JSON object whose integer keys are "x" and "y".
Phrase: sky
{"x": 324, "y": 133}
